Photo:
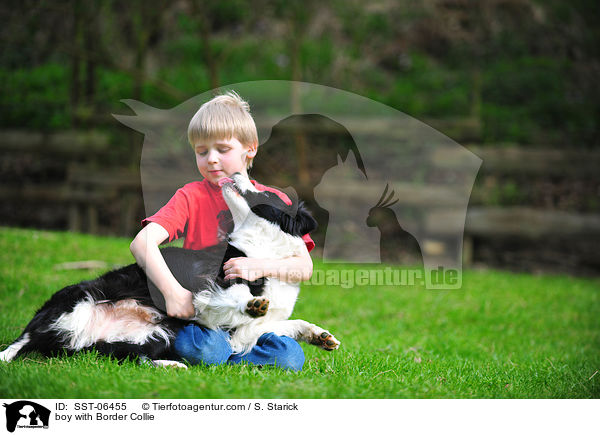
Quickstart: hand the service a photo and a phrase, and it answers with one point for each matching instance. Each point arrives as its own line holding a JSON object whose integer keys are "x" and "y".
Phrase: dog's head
{"x": 244, "y": 199}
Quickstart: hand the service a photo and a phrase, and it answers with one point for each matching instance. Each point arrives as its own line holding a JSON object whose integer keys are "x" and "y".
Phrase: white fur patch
{"x": 122, "y": 321}
{"x": 11, "y": 351}
{"x": 259, "y": 238}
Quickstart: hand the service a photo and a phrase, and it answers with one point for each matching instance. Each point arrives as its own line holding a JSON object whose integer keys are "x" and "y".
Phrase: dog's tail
{"x": 12, "y": 351}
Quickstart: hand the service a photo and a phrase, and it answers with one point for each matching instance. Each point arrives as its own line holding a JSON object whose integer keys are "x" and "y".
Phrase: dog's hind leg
{"x": 299, "y": 330}
{"x": 155, "y": 348}
{"x": 320, "y": 338}
{"x": 307, "y": 332}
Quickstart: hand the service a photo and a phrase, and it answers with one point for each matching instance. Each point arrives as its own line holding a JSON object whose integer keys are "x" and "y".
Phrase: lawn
{"x": 503, "y": 335}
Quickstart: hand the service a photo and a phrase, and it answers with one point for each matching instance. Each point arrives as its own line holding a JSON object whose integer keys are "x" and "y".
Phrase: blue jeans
{"x": 198, "y": 345}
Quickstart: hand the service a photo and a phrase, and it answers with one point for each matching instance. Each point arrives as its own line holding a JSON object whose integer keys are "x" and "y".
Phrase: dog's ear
{"x": 293, "y": 220}
{"x": 297, "y": 220}
{"x": 304, "y": 220}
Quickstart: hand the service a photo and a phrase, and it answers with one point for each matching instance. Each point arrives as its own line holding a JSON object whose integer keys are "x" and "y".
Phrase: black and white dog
{"x": 115, "y": 313}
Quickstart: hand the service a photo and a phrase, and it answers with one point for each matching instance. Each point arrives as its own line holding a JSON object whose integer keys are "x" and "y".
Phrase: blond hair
{"x": 224, "y": 117}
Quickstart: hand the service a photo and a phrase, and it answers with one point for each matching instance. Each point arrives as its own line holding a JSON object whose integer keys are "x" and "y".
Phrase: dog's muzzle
{"x": 225, "y": 180}
{"x": 229, "y": 183}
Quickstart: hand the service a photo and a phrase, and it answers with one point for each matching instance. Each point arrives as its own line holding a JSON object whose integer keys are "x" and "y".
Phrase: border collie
{"x": 115, "y": 313}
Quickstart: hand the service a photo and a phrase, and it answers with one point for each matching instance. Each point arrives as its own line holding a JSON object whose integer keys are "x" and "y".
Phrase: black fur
{"x": 194, "y": 270}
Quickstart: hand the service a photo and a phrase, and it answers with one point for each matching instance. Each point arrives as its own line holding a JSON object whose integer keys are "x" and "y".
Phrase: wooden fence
{"x": 84, "y": 189}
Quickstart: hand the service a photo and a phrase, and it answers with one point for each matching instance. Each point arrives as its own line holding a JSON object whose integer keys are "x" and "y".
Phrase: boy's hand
{"x": 246, "y": 268}
{"x": 179, "y": 304}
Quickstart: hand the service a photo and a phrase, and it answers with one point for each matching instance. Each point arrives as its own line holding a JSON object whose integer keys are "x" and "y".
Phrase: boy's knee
{"x": 288, "y": 353}
{"x": 199, "y": 345}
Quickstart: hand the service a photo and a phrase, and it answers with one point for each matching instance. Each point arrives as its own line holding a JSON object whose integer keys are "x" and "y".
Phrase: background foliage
{"x": 525, "y": 69}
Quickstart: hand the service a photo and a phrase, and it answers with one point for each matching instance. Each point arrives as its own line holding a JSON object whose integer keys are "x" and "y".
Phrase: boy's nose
{"x": 213, "y": 156}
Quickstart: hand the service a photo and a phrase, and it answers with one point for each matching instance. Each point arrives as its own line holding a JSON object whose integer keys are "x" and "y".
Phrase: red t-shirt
{"x": 194, "y": 210}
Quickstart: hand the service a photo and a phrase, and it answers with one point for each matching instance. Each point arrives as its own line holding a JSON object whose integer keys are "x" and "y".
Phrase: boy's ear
{"x": 252, "y": 150}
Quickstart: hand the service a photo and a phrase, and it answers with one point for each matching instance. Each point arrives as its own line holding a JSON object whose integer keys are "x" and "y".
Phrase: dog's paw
{"x": 161, "y": 363}
{"x": 167, "y": 363}
{"x": 325, "y": 340}
{"x": 257, "y": 307}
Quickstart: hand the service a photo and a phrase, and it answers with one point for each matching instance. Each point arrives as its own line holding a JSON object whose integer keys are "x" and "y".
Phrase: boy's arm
{"x": 147, "y": 255}
{"x": 290, "y": 269}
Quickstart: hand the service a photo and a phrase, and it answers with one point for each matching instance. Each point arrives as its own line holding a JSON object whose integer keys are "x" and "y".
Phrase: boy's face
{"x": 221, "y": 158}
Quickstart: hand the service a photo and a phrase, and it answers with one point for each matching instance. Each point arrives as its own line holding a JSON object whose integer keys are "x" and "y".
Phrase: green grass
{"x": 503, "y": 335}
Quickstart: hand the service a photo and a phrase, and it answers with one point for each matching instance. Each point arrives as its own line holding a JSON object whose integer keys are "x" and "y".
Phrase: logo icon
{"x": 26, "y": 414}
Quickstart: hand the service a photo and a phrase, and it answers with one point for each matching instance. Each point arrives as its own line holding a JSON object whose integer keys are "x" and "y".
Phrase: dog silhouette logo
{"x": 26, "y": 414}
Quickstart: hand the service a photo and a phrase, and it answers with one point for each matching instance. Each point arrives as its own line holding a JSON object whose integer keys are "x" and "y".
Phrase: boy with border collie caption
{"x": 225, "y": 140}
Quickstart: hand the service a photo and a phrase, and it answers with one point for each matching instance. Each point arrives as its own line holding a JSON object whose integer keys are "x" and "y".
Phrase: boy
{"x": 224, "y": 137}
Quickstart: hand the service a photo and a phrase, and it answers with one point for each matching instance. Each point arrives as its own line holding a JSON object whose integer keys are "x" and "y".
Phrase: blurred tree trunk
{"x": 141, "y": 35}
{"x": 84, "y": 58}
{"x": 90, "y": 37}
{"x": 298, "y": 22}
{"x": 299, "y": 136}
{"x": 201, "y": 12}
{"x": 211, "y": 61}
{"x": 75, "y": 51}
{"x": 146, "y": 22}
{"x": 476, "y": 95}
